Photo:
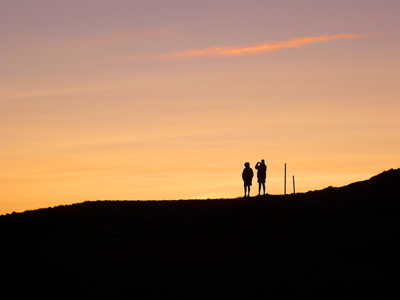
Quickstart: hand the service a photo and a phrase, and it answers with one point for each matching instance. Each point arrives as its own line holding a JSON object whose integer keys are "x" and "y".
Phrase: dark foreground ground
{"x": 339, "y": 243}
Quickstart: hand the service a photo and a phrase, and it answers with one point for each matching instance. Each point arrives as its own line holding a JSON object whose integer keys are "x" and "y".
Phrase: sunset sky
{"x": 166, "y": 99}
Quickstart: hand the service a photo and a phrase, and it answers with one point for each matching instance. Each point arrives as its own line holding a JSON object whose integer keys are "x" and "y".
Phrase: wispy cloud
{"x": 124, "y": 36}
{"x": 252, "y": 50}
{"x": 95, "y": 91}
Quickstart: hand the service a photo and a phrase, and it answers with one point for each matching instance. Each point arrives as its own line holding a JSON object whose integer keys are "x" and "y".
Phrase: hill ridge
{"x": 321, "y": 244}
{"x": 386, "y": 179}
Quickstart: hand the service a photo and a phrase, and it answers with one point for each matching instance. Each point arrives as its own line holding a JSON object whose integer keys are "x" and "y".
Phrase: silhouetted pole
{"x": 294, "y": 187}
{"x": 284, "y": 187}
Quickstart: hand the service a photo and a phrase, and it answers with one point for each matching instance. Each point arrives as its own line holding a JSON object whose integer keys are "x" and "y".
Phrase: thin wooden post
{"x": 294, "y": 187}
{"x": 284, "y": 187}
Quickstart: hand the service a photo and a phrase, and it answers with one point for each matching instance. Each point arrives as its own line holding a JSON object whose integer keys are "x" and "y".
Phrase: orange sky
{"x": 167, "y": 99}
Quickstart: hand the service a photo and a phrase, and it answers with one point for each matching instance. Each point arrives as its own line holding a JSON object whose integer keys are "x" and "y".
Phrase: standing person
{"x": 247, "y": 176}
{"x": 261, "y": 175}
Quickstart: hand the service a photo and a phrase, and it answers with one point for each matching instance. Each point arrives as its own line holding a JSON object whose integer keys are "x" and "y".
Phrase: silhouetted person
{"x": 247, "y": 176}
{"x": 261, "y": 175}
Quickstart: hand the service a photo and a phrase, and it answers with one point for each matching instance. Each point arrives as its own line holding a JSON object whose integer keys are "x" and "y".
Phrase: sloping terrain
{"x": 337, "y": 242}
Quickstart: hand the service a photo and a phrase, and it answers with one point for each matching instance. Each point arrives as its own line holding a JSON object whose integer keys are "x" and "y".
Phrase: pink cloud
{"x": 253, "y": 50}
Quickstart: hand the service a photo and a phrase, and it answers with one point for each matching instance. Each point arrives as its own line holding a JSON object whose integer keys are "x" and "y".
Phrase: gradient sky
{"x": 166, "y": 99}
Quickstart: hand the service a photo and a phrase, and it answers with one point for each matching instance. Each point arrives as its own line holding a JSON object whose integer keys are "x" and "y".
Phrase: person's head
{"x": 247, "y": 164}
{"x": 263, "y": 161}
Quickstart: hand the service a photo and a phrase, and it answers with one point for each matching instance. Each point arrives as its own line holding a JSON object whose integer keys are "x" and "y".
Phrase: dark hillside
{"x": 337, "y": 242}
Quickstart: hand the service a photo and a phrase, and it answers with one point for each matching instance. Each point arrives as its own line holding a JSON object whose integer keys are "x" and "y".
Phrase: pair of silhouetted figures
{"x": 248, "y": 174}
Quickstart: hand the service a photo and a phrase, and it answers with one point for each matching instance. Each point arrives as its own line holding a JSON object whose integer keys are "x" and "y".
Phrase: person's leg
{"x": 245, "y": 190}
{"x": 263, "y": 187}
{"x": 259, "y": 188}
{"x": 248, "y": 192}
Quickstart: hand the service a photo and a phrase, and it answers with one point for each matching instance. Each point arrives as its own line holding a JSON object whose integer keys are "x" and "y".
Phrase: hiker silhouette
{"x": 247, "y": 176}
{"x": 261, "y": 175}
